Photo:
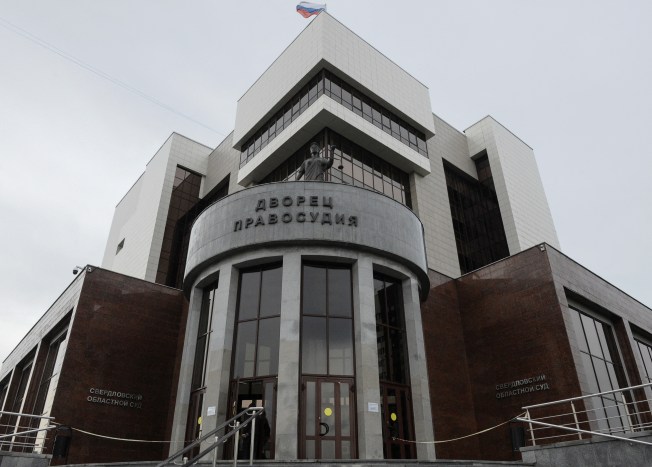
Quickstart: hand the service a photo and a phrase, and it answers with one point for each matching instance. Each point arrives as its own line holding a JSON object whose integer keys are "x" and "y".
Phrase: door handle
{"x": 324, "y": 425}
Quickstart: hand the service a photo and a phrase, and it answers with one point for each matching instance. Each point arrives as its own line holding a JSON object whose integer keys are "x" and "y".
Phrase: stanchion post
{"x": 252, "y": 440}
{"x": 235, "y": 443}
{"x": 577, "y": 423}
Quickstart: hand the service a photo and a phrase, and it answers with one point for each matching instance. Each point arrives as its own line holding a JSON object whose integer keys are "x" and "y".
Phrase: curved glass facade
{"x": 353, "y": 165}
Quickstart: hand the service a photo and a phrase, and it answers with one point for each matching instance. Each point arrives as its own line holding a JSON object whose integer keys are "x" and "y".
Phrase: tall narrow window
{"x": 198, "y": 381}
{"x": 255, "y": 361}
{"x": 259, "y": 310}
{"x": 47, "y": 384}
{"x": 604, "y": 370}
{"x": 393, "y": 368}
{"x": 4, "y": 388}
{"x": 23, "y": 375}
{"x": 327, "y": 331}
{"x": 327, "y": 365}
{"x": 645, "y": 350}
{"x": 10, "y": 424}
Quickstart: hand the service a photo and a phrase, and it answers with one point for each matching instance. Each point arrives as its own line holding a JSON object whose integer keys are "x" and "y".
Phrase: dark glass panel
{"x": 366, "y": 111}
{"x": 270, "y": 294}
{"x": 340, "y": 349}
{"x": 398, "y": 360}
{"x": 249, "y": 295}
{"x": 339, "y": 292}
{"x": 357, "y": 105}
{"x": 314, "y": 290}
{"x": 477, "y": 222}
{"x": 346, "y": 99}
{"x": 346, "y": 449}
{"x": 327, "y": 449}
{"x": 591, "y": 335}
{"x": 345, "y": 411}
{"x": 647, "y": 360}
{"x": 314, "y": 346}
{"x": 336, "y": 91}
{"x": 310, "y": 410}
{"x": 350, "y": 172}
{"x": 198, "y": 365}
{"x": 579, "y": 330}
{"x": 268, "y": 339}
{"x": 245, "y": 350}
{"x": 379, "y": 297}
{"x": 310, "y": 449}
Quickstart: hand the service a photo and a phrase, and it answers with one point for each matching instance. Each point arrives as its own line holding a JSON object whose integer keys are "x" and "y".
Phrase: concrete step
{"x": 335, "y": 463}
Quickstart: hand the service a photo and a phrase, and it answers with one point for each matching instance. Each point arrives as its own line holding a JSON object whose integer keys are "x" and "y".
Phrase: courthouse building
{"x": 416, "y": 293}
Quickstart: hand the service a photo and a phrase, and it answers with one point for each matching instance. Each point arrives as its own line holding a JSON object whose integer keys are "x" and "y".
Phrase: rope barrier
{"x": 394, "y": 438}
{"x": 461, "y": 437}
{"x": 122, "y": 439}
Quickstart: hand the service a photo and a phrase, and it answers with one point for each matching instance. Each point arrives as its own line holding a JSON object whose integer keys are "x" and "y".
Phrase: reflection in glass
{"x": 354, "y": 172}
{"x": 340, "y": 351}
{"x": 310, "y": 408}
{"x": 268, "y": 341}
{"x": 314, "y": 346}
{"x": 602, "y": 368}
{"x": 245, "y": 350}
{"x": 345, "y": 401}
{"x": 249, "y": 295}
{"x": 327, "y": 341}
{"x": 314, "y": 290}
{"x": 270, "y": 294}
{"x": 257, "y": 330}
{"x": 339, "y": 292}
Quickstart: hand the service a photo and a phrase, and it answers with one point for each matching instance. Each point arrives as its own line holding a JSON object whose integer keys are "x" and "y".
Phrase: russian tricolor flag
{"x": 307, "y": 9}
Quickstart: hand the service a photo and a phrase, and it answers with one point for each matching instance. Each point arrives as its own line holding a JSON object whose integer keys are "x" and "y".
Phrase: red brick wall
{"x": 124, "y": 337}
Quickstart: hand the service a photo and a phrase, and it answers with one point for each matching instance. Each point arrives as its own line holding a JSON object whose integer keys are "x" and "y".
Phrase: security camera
{"x": 78, "y": 269}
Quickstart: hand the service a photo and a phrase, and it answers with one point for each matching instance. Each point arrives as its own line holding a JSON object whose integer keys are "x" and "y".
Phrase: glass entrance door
{"x": 328, "y": 418}
{"x": 397, "y": 422}
{"x": 256, "y": 393}
{"x": 193, "y": 424}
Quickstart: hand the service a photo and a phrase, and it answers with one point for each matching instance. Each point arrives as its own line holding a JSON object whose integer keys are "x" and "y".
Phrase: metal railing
{"x": 20, "y": 432}
{"x": 610, "y": 414}
{"x": 229, "y": 429}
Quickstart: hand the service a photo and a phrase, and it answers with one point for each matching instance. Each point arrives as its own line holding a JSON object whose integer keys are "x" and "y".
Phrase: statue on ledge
{"x": 315, "y": 167}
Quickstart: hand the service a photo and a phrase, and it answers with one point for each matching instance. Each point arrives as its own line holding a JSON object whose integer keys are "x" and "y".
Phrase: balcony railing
{"x": 21, "y": 432}
{"x": 612, "y": 414}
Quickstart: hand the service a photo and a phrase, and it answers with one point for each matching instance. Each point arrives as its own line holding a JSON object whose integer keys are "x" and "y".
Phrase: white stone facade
{"x": 523, "y": 204}
{"x": 139, "y": 219}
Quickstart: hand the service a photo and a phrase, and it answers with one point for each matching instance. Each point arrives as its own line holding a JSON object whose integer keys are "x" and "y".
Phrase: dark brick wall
{"x": 124, "y": 337}
{"x": 508, "y": 325}
{"x": 450, "y": 391}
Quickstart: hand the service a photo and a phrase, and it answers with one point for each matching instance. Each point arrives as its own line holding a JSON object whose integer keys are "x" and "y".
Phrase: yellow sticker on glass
{"x": 393, "y": 417}
{"x": 328, "y": 411}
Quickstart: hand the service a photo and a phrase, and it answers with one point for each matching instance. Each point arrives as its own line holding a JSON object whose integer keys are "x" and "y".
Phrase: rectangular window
{"x": 603, "y": 368}
{"x": 4, "y": 388}
{"x": 258, "y": 326}
{"x": 645, "y": 351}
{"x": 327, "y": 324}
{"x": 203, "y": 337}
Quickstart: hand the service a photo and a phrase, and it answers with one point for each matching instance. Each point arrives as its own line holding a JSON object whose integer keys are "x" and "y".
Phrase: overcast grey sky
{"x": 570, "y": 78}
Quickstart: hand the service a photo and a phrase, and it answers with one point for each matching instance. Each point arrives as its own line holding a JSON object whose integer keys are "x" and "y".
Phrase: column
{"x": 185, "y": 372}
{"x": 370, "y": 428}
{"x": 287, "y": 402}
{"x": 220, "y": 345}
{"x": 418, "y": 371}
